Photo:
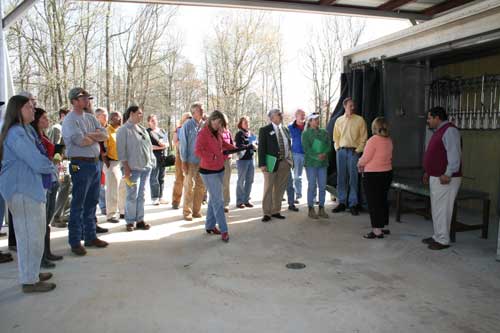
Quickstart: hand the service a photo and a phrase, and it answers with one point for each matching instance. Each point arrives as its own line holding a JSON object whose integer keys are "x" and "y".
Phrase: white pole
{"x": 3, "y": 64}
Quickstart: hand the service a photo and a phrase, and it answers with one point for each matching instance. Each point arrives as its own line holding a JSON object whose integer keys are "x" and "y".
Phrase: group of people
{"x": 111, "y": 161}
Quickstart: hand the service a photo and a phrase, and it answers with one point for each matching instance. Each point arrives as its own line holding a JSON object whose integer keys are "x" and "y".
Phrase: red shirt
{"x": 209, "y": 148}
{"x": 49, "y": 146}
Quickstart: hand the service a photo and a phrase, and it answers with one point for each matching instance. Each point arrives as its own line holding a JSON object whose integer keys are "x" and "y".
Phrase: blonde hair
{"x": 380, "y": 127}
{"x": 185, "y": 116}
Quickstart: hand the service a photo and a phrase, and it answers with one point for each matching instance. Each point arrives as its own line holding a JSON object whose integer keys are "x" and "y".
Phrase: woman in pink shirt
{"x": 376, "y": 166}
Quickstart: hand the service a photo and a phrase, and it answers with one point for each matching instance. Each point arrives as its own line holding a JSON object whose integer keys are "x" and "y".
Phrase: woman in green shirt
{"x": 317, "y": 145}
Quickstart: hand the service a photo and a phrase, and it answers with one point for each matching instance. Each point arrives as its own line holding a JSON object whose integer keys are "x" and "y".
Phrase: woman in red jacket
{"x": 211, "y": 148}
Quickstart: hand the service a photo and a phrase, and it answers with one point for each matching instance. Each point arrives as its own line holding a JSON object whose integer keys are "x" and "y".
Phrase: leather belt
{"x": 85, "y": 159}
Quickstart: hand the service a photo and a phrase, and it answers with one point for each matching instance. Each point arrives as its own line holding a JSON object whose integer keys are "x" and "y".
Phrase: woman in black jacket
{"x": 245, "y": 164}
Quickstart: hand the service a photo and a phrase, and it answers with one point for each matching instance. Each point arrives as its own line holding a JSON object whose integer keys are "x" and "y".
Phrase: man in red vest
{"x": 443, "y": 173}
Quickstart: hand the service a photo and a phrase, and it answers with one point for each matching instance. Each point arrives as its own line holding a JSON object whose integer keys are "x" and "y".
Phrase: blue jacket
{"x": 296, "y": 136}
{"x": 187, "y": 138}
{"x": 23, "y": 165}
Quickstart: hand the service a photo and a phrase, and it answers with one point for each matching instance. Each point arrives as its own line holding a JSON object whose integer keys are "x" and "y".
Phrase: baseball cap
{"x": 313, "y": 116}
{"x": 78, "y": 92}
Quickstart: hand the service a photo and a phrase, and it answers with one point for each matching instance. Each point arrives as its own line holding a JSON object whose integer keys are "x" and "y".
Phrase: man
{"x": 102, "y": 116}
{"x": 194, "y": 189}
{"x": 296, "y": 128}
{"x": 31, "y": 97}
{"x": 82, "y": 133}
{"x": 275, "y": 161}
{"x": 443, "y": 173}
{"x": 55, "y": 135}
{"x": 349, "y": 136}
{"x": 115, "y": 184}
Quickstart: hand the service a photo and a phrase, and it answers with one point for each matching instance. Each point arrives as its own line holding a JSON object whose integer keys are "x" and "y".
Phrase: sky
{"x": 195, "y": 22}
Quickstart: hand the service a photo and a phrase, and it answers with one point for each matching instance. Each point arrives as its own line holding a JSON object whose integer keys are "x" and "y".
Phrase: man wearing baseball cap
{"x": 275, "y": 161}
{"x": 82, "y": 133}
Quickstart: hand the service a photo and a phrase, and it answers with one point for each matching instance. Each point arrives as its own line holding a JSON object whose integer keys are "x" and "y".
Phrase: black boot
{"x": 47, "y": 253}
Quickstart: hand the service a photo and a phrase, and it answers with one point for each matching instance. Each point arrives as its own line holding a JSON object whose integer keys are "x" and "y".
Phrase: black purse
{"x": 166, "y": 161}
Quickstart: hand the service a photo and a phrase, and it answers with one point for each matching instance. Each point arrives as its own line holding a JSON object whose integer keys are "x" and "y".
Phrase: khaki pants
{"x": 179, "y": 180}
{"x": 115, "y": 190}
{"x": 442, "y": 203}
{"x": 274, "y": 188}
{"x": 194, "y": 190}
{"x": 227, "y": 182}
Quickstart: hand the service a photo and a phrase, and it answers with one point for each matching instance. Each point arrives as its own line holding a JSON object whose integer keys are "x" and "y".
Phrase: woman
{"x": 245, "y": 164}
{"x": 316, "y": 144}
{"x": 135, "y": 152}
{"x": 41, "y": 124}
{"x": 26, "y": 176}
{"x": 179, "y": 175}
{"x": 376, "y": 165}
{"x": 211, "y": 149}
{"x": 227, "y": 138}
{"x": 159, "y": 140}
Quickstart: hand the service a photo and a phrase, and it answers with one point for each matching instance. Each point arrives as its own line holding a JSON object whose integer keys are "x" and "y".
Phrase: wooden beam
{"x": 444, "y": 6}
{"x": 394, "y": 4}
{"x": 326, "y": 2}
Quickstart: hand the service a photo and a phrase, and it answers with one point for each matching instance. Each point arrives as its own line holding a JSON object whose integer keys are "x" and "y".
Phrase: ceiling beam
{"x": 327, "y": 2}
{"x": 17, "y": 13}
{"x": 309, "y": 7}
{"x": 444, "y": 6}
{"x": 394, "y": 4}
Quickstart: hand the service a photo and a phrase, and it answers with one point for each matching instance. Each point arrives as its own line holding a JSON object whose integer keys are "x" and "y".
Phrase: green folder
{"x": 319, "y": 147}
{"x": 271, "y": 162}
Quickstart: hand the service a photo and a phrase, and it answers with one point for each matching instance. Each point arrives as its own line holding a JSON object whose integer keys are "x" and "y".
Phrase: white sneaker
{"x": 156, "y": 202}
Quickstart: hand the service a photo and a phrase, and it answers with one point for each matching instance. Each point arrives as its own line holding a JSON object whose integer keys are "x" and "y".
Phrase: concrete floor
{"x": 176, "y": 278}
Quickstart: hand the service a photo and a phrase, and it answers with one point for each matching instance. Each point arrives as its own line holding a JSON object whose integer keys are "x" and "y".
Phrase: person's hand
{"x": 322, "y": 157}
{"x": 361, "y": 169}
{"x": 444, "y": 179}
{"x": 425, "y": 179}
{"x": 105, "y": 159}
{"x": 263, "y": 168}
{"x": 185, "y": 167}
{"x": 129, "y": 182}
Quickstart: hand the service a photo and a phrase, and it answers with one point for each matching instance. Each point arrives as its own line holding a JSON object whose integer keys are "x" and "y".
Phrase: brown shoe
{"x": 188, "y": 217}
{"x": 142, "y": 225}
{"x": 39, "y": 287}
{"x": 130, "y": 227}
{"x": 45, "y": 276}
{"x": 226, "y": 210}
{"x": 59, "y": 224}
{"x": 97, "y": 243}
{"x": 437, "y": 246}
{"x": 197, "y": 215}
{"x": 79, "y": 250}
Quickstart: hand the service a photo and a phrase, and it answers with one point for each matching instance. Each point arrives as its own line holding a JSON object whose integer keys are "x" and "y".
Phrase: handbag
{"x": 166, "y": 161}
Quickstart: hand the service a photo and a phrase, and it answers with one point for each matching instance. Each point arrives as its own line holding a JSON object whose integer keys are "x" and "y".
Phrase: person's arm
{"x": 121, "y": 145}
{"x": 27, "y": 151}
{"x": 228, "y": 146}
{"x": 306, "y": 144}
{"x": 238, "y": 139}
{"x": 183, "y": 142}
{"x": 368, "y": 154}
{"x": 451, "y": 141}
{"x": 201, "y": 147}
{"x": 362, "y": 136}
{"x": 261, "y": 149}
{"x": 336, "y": 134}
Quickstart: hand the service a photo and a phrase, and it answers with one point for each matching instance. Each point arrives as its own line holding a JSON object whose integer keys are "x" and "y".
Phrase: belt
{"x": 348, "y": 148}
{"x": 85, "y": 159}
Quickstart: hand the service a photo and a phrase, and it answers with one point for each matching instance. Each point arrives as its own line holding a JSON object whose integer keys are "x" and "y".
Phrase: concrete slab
{"x": 176, "y": 278}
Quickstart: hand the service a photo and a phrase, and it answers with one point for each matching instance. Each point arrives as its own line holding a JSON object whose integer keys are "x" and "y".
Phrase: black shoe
{"x": 278, "y": 216}
{"x": 296, "y": 201}
{"x": 386, "y": 231}
{"x": 372, "y": 235}
{"x": 266, "y": 218}
{"x": 354, "y": 211}
{"x": 293, "y": 208}
{"x": 47, "y": 264}
{"x": 437, "y": 246}
{"x": 122, "y": 216}
{"x": 428, "y": 241}
{"x": 113, "y": 220}
{"x": 100, "y": 230}
{"x": 53, "y": 257}
{"x": 339, "y": 208}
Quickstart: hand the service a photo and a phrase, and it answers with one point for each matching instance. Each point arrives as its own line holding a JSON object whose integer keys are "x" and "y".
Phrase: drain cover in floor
{"x": 295, "y": 265}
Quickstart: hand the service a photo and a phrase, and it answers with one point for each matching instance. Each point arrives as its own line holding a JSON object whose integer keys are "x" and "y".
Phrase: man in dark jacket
{"x": 275, "y": 161}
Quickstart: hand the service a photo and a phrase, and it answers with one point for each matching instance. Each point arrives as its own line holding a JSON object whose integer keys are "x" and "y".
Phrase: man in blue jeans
{"x": 296, "y": 128}
{"x": 349, "y": 136}
{"x": 82, "y": 133}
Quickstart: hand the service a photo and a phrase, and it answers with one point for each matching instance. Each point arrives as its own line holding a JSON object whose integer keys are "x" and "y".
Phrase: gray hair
{"x": 272, "y": 112}
{"x": 26, "y": 94}
{"x": 100, "y": 110}
{"x": 196, "y": 105}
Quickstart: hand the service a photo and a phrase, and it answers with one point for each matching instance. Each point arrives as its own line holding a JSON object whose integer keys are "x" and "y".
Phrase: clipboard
{"x": 270, "y": 162}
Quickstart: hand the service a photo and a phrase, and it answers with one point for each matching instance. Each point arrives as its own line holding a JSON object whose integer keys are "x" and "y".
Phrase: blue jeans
{"x": 347, "y": 176}
{"x": 102, "y": 190}
{"x": 134, "y": 205}
{"x": 156, "y": 182}
{"x": 85, "y": 196}
{"x": 2, "y": 211}
{"x": 298, "y": 167}
{"x": 215, "y": 211}
{"x": 316, "y": 178}
{"x": 290, "y": 191}
{"x": 246, "y": 171}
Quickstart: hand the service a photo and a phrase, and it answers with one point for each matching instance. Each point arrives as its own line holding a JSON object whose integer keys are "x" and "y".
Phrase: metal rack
{"x": 471, "y": 104}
